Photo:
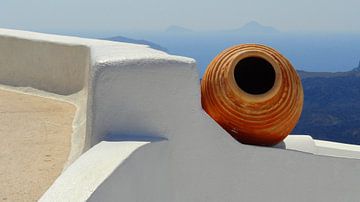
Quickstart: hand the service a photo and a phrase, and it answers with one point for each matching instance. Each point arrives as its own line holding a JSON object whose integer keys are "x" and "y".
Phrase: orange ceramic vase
{"x": 254, "y": 93}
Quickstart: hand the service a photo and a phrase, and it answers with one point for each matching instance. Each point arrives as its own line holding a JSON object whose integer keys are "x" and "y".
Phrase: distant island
{"x": 177, "y": 29}
{"x": 251, "y": 27}
{"x": 254, "y": 27}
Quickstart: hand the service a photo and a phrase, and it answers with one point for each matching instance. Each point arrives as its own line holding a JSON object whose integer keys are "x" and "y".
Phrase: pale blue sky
{"x": 125, "y": 15}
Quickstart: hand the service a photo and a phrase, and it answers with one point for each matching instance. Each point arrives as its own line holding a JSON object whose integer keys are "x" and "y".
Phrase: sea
{"x": 315, "y": 52}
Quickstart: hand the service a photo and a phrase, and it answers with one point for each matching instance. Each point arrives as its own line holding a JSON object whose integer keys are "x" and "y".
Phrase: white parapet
{"x": 83, "y": 177}
{"x": 148, "y": 138}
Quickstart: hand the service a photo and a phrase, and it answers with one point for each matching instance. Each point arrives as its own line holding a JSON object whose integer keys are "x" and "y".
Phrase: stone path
{"x": 35, "y": 137}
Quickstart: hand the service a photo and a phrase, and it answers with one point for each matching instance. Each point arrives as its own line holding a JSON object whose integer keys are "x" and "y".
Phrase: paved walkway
{"x": 34, "y": 144}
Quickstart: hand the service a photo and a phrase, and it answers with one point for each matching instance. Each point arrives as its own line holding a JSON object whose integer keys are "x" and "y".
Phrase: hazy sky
{"x": 127, "y": 15}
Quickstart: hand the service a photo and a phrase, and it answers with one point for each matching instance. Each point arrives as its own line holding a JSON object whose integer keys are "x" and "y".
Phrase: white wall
{"x": 232, "y": 173}
{"x": 49, "y": 66}
{"x": 135, "y": 97}
{"x": 205, "y": 163}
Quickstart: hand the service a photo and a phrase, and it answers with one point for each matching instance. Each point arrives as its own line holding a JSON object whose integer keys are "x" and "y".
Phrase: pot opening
{"x": 254, "y": 75}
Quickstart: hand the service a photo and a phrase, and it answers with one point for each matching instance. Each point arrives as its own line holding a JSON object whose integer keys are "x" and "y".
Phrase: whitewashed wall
{"x": 53, "y": 67}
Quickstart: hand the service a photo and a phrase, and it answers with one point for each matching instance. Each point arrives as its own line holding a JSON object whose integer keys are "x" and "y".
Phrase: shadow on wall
{"x": 113, "y": 137}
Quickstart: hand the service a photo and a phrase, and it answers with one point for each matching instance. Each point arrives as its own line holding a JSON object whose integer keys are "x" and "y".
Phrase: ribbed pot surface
{"x": 254, "y": 93}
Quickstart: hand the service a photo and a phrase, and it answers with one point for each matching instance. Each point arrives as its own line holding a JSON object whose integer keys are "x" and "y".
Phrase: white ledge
{"x": 83, "y": 177}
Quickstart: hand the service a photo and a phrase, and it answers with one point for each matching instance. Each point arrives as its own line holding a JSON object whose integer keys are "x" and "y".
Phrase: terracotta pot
{"x": 254, "y": 93}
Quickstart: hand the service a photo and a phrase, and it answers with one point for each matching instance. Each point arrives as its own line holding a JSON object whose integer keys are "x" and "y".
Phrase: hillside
{"x": 331, "y": 106}
{"x": 137, "y": 41}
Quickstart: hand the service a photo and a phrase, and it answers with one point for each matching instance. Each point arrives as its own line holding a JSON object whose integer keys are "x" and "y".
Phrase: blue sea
{"x": 318, "y": 52}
